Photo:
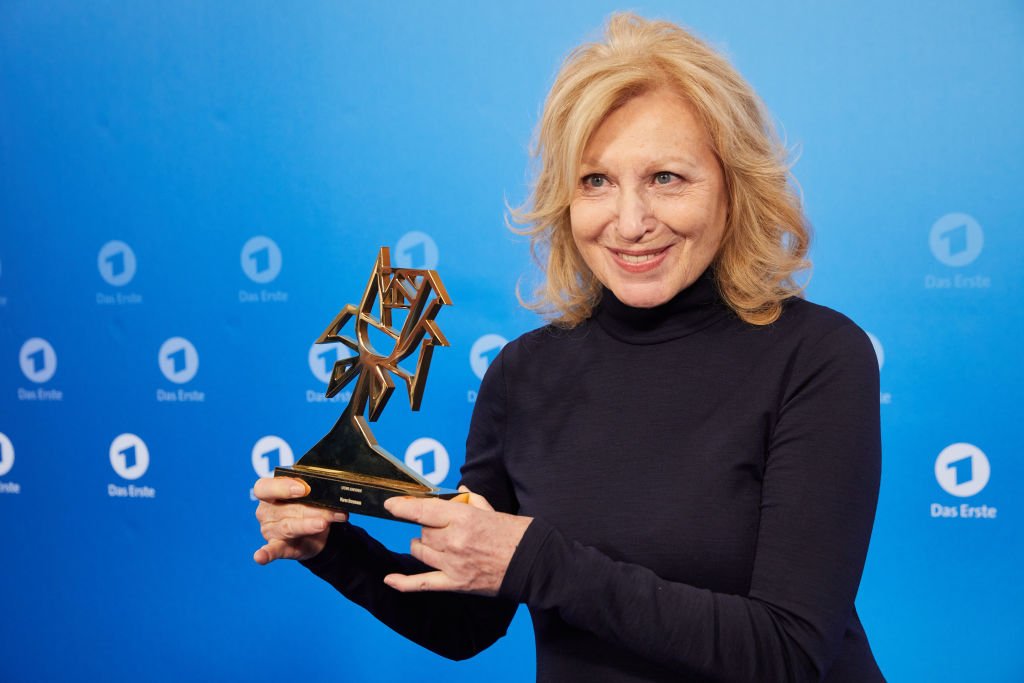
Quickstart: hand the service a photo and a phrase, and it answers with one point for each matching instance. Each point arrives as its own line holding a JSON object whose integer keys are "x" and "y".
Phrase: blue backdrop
{"x": 190, "y": 191}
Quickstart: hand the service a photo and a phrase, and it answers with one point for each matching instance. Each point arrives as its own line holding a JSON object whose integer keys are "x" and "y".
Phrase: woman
{"x": 683, "y": 466}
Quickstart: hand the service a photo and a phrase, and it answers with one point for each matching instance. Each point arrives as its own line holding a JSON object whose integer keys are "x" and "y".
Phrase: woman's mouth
{"x": 639, "y": 261}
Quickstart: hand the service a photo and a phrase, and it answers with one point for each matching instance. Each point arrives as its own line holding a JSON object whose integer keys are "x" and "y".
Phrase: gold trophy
{"x": 347, "y": 469}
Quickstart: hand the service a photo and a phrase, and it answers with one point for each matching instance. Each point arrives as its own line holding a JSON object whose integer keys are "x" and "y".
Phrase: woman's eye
{"x": 594, "y": 180}
{"x": 664, "y": 177}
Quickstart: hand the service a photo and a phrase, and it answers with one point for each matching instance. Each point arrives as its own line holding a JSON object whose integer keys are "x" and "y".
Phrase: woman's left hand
{"x": 470, "y": 545}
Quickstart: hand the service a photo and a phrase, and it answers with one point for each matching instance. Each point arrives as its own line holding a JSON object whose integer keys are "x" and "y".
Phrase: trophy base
{"x": 334, "y": 490}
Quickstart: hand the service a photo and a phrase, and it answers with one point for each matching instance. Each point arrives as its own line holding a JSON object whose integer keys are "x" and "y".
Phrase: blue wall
{"x": 184, "y": 130}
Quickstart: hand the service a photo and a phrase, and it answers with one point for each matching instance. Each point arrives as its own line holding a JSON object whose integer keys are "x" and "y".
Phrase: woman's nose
{"x": 634, "y": 214}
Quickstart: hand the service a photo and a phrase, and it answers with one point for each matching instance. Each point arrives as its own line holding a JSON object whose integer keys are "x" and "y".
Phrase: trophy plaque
{"x": 347, "y": 469}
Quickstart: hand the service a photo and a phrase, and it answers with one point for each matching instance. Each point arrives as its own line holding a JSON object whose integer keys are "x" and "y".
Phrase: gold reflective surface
{"x": 347, "y": 469}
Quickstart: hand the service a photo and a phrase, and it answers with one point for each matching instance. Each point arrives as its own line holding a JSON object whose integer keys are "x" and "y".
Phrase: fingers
{"x": 273, "y": 512}
{"x": 470, "y": 546}
{"x": 293, "y": 531}
{"x": 426, "y": 554}
{"x": 262, "y": 556}
{"x": 435, "y": 538}
{"x": 430, "y": 581}
{"x": 423, "y": 511}
{"x": 297, "y": 521}
{"x": 276, "y": 550}
{"x": 433, "y": 512}
{"x": 272, "y": 489}
{"x": 477, "y": 501}
{"x": 288, "y": 529}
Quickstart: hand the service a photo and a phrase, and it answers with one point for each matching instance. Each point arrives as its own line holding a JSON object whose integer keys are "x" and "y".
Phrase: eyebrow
{"x": 685, "y": 161}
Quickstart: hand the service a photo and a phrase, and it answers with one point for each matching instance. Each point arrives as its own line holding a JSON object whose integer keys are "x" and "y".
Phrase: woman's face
{"x": 650, "y": 206}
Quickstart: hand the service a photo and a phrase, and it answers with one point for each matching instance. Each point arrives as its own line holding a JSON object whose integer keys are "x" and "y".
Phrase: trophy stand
{"x": 347, "y": 469}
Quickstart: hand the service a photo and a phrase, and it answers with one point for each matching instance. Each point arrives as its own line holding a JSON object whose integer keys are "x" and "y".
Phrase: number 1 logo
{"x": 116, "y": 263}
{"x": 179, "y": 360}
{"x": 38, "y": 360}
{"x": 129, "y": 456}
{"x": 962, "y": 469}
{"x": 956, "y": 239}
{"x": 270, "y": 452}
{"x": 261, "y": 259}
{"x": 429, "y": 458}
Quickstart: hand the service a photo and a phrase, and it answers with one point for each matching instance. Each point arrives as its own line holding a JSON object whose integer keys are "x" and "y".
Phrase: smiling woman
{"x": 718, "y": 120}
{"x": 650, "y": 210}
{"x": 678, "y": 475}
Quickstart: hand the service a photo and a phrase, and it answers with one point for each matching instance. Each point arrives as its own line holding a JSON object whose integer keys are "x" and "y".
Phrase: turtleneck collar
{"x": 687, "y": 312}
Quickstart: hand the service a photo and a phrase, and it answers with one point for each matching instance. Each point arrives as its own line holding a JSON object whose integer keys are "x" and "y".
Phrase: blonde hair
{"x": 766, "y": 234}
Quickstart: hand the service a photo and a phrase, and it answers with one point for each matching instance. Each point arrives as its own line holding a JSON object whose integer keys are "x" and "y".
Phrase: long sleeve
{"x": 818, "y": 490}
{"x": 453, "y": 625}
{"x": 456, "y": 626}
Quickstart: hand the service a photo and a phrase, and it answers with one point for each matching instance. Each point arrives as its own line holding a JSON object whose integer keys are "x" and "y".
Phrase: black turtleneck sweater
{"x": 702, "y": 489}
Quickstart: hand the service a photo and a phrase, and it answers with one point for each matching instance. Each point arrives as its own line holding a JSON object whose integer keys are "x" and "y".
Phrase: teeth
{"x": 630, "y": 258}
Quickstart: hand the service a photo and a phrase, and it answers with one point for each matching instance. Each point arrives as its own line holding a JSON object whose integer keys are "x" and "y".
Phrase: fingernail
{"x": 297, "y": 489}
{"x": 321, "y": 524}
{"x": 340, "y": 517}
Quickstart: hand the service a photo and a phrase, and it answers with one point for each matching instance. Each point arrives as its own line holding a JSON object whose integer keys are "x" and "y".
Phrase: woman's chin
{"x": 642, "y": 296}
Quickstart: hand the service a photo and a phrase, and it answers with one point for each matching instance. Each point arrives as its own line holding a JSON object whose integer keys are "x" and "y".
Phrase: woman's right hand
{"x": 293, "y": 531}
